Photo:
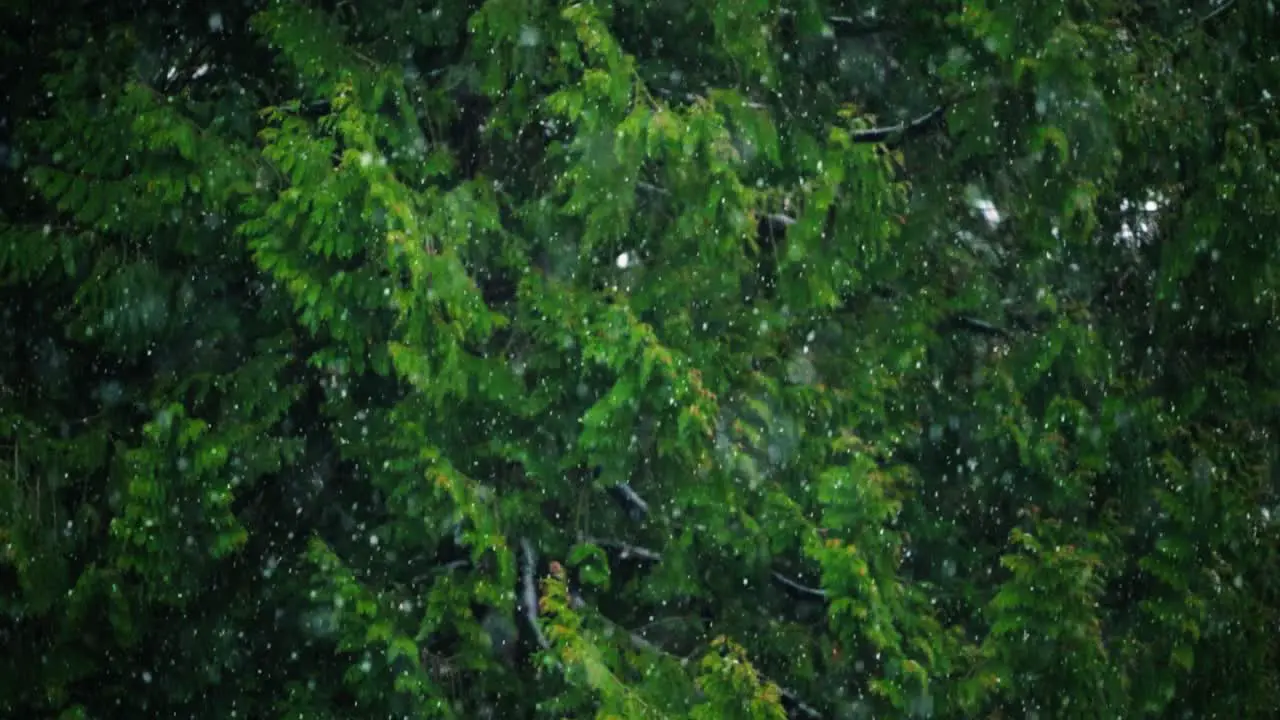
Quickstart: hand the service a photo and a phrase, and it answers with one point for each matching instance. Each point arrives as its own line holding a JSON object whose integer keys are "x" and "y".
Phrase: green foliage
{"x": 640, "y": 360}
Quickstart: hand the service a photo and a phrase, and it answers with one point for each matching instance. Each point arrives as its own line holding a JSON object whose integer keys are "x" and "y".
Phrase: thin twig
{"x": 982, "y": 327}
{"x": 1217, "y": 11}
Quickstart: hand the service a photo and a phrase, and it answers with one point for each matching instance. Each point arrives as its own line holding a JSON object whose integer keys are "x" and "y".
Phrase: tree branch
{"x": 846, "y": 27}
{"x": 775, "y": 221}
{"x": 843, "y": 26}
{"x": 630, "y": 501}
{"x": 1222, "y": 8}
{"x": 626, "y": 550}
{"x": 791, "y": 702}
{"x": 529, "y": 592}
{"x": 440, "y": 569}
{"x": 623, "y": 492}
{"x": 803, "y": 592}
{"x": 778, "y": 221}
{"x": 904, "y": 129}
{"x": 981, "y": 327}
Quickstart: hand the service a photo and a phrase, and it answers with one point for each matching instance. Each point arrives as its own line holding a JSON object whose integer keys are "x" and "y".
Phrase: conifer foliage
{"x": 760, "y": 359}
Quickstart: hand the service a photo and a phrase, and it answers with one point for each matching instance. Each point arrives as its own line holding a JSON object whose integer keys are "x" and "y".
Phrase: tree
{"x": 650, "y": 359}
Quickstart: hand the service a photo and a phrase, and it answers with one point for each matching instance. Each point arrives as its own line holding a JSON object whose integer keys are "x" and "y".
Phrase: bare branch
{"x": 981, "y": 327}
{"x": 455, "y": 565}
{"x": 843, "y": 26}
{"x": 796, "y": 707}
{"x": 444, "y": 569}
{"x": 651, "y": 188}
{"x": 802, "y": 591}
{"x": 627, "y": 550}
{"x": 778, "y": 221}
{"x": 847, "y": 27}
{"x": 529, "y": 592}
{"x": 630, "y": 500}
{"x": 904, "y": 129}
{"x": 1222, "y": 7}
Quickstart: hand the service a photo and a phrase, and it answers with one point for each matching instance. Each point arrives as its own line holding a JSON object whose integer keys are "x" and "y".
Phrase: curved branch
{"x": 803, "y": 592}
{"x": 903, "y": 129}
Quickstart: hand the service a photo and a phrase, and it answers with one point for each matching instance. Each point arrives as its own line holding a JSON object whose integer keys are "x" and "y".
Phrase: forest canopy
{"x": 759, "y": 359}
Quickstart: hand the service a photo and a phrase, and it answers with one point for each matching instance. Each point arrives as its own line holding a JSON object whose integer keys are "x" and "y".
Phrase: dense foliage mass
{"x": 753, "y": 359}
